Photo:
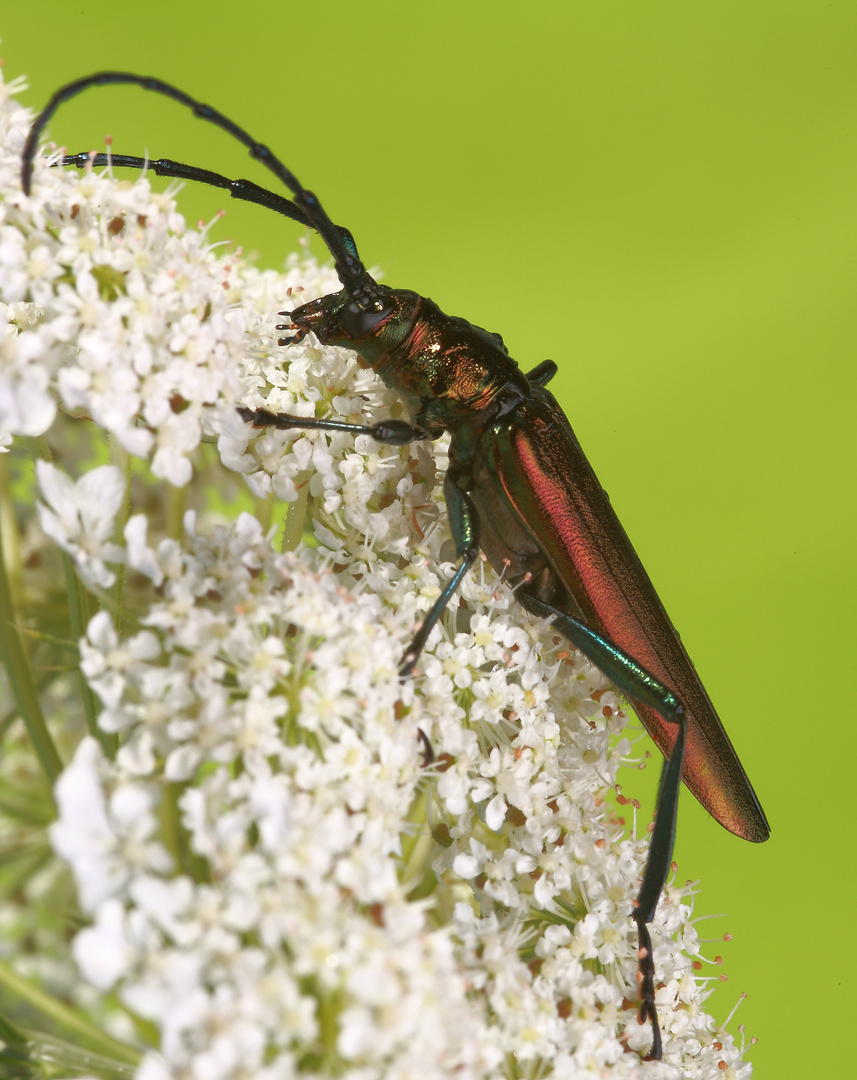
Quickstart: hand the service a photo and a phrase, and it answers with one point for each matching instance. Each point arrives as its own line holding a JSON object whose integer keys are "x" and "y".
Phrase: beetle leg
{"x": 646, "y": 981}
{"x": 463, "y": 522}
{"x": 392, "y": 432}
{"x": 639, "y": 685}
{"x": 542, "y": 373}
{"x": 421, "y": 637}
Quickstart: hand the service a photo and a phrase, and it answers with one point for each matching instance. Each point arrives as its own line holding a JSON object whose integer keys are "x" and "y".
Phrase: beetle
{"x": 518, "y": 487}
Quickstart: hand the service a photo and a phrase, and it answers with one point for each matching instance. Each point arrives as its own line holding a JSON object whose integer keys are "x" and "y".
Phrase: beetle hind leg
{"x": 646, "y": 980}
{"x": 639, "y": 685}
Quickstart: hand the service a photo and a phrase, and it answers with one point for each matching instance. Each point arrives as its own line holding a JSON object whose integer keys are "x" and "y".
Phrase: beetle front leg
{"x": 391, "y": 432}
{"x": 640, "y": 685}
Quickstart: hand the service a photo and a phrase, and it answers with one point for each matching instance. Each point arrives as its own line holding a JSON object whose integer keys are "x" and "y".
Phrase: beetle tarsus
{"x": 428, "y": 749}
{"x": 409, "y": 662}
{"x": 646, "y": 983}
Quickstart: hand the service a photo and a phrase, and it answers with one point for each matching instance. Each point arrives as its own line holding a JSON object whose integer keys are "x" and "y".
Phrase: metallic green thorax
{"x": 446, "y": 370}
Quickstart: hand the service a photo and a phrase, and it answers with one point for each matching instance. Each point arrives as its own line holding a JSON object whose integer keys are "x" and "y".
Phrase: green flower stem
{"x": 176, "y": 506}
{"x": 295, "y": 519}
{"x": 67, "y": 1018}
{"x": 21, "y": 679}
{"x": 10, "y": 532}
{"x": 9, "y": 1033}
{"x": 8, "y": 719}
{"x": 170, "y": 816}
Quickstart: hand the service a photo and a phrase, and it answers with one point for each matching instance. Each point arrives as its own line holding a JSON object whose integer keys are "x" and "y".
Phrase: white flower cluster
{"x": 275, "y": 876}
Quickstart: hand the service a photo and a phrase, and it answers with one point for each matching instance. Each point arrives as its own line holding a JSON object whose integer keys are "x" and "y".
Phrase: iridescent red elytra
{"x": 518, "y": 487}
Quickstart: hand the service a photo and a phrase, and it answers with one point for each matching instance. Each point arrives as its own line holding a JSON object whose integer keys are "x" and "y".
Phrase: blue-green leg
{"x": 640, "y": 685}
{"x": 463, "y": 525}
{"x": 392, "y": 432}
{"x": 462, "y": 513}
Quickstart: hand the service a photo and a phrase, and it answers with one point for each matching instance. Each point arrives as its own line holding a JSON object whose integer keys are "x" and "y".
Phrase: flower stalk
{"x": 21, "y": 680}
{"x": 72, "y": 1021}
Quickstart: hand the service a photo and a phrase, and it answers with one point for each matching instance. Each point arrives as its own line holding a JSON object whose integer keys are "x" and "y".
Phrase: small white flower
{"x": 80, "y": 516}
{"x": 103, "y": 950}
{"x": 26, "y": 405}
{"x": 83, "y": 835}
{"x": 139, "y": 555}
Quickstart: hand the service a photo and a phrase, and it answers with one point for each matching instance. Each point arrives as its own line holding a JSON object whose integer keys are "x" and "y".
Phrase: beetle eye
{"x": 358, "y": 323}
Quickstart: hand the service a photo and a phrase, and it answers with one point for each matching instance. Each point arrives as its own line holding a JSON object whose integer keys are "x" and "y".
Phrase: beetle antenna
{"x": 245, "y": 190}
{"x": 354, "y": 276}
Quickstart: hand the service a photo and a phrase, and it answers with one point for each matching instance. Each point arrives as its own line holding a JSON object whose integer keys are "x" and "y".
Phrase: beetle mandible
{"x": 518, "y": 487}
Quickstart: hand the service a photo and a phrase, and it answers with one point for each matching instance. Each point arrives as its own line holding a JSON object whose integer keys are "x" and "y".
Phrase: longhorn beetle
{"x": 518, "y": 486}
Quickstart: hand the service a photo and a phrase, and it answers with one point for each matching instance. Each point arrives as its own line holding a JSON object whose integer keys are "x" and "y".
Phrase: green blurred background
{"x": 661, "y": 197}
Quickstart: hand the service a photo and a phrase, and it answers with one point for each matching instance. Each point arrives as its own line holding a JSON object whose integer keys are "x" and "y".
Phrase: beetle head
{"x": 372, "y": 331}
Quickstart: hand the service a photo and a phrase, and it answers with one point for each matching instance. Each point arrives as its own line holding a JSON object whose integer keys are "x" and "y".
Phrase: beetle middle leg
{"x": 463, "y": 523}
{"x": 462, "y": 513}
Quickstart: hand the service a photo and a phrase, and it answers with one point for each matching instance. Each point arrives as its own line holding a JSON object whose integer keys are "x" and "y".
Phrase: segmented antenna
{"x": 355, "y": 279}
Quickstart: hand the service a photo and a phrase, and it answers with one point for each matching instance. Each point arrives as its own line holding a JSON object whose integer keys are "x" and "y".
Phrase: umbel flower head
{"x": 271, "y": 875}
